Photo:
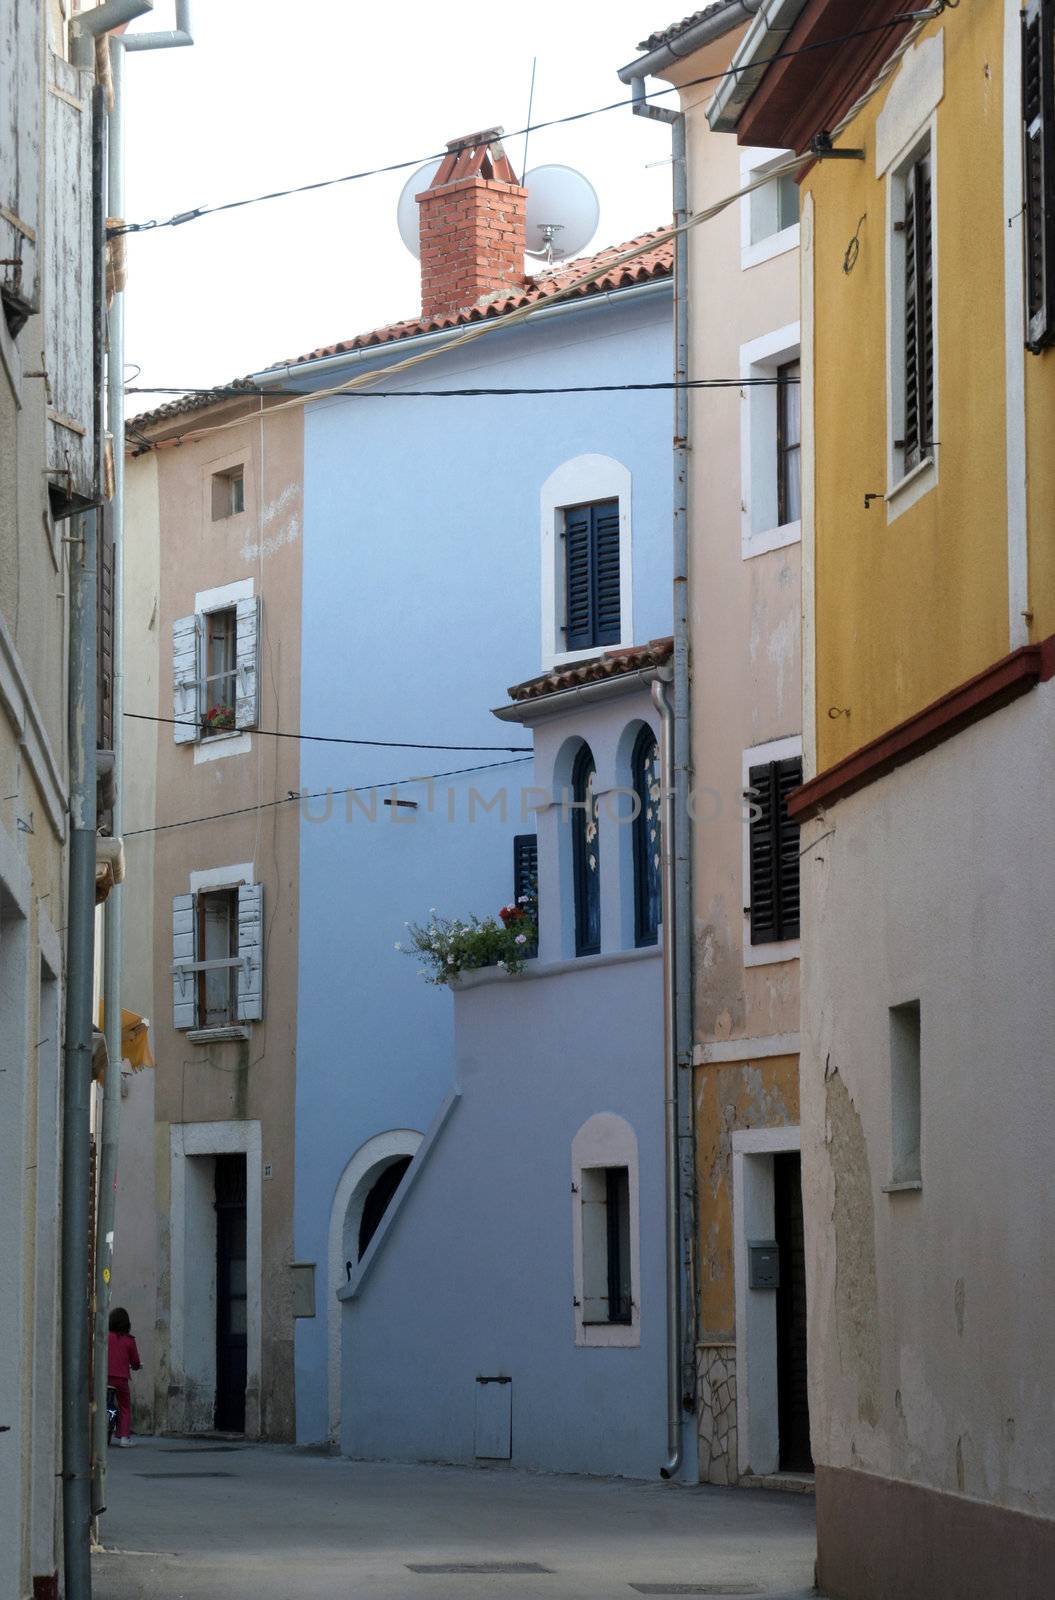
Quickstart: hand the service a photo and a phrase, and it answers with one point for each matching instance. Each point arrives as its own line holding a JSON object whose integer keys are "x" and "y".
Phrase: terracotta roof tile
{"x": 611, "y": 664}
{"x": 651, "y": 265}
{"x": 676, "y": 29}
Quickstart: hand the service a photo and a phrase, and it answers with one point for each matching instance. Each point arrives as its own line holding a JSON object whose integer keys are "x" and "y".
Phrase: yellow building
{"x": 927, "y": 181}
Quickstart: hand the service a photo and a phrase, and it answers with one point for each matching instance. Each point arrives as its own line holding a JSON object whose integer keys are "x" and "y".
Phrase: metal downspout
{"x": 113, "y": 920}
{"x": 681, "y": 1179}
{"x": 661, "y": 699}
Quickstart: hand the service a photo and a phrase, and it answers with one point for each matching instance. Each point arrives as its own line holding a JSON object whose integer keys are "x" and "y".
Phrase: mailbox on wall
{"x": 763, "y": 1264}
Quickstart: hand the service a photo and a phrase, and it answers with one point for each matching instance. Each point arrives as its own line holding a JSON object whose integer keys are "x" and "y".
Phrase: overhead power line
{"x": 321, "y": 794}
{"x": 328, "y": 738}
{"x": 224, "y": 392}
{"x": 197, "y": 212}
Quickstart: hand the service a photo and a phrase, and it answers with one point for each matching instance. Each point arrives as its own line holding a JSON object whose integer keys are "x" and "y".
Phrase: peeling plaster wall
{"x": 931, "y": 1336}
{"x": 748, "y": 1094}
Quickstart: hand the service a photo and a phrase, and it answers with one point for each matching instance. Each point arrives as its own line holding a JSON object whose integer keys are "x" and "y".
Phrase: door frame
{"x": 757, "y": 1425}
{"x": 187, "y": 1140}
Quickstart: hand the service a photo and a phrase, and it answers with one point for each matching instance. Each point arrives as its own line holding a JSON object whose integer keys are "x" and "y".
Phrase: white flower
{"x": 522, "y": 900}
{"x": 521, "y": 938}
{"x": 433, "y": 912}
{"x": 398, "y": 945}
{"x": 593, "y": 863}
{"x": 501, "y": 966}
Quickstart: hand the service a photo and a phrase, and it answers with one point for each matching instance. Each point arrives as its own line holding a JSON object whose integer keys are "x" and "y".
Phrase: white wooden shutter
{"x": 67, "y": 270}
{"x": 250, "y": 952}
{"x": 186, "y": 676}
{"x": 184, "y": 984}
{"x": 21, "y": 117}
{"x": 247, "y": 636}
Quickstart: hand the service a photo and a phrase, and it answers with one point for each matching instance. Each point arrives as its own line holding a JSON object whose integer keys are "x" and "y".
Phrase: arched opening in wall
{"x": 647, "y": 844}
{"x": 586, "y": 855}
{"x": 378, "y": 1200}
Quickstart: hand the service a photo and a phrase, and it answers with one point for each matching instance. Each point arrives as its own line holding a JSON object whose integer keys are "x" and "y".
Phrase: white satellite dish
{"x": 562, "y": 212}
{"x": 407, "y": 211}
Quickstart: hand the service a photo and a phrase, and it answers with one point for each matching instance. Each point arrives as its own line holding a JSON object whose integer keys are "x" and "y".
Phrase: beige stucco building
{"x": 213, "y": 643}
{"x": 744, "y": 578}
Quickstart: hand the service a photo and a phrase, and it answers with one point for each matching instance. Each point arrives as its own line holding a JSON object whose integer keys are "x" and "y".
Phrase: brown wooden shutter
{"x": 919, "y": 316}
{"x": 1038, "y": 120}
{"x": 773, "y": 852}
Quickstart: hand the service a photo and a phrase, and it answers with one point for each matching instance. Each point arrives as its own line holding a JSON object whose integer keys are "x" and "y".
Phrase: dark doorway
{"x": 793, "y": 1408}
{"x": 230, "y": 1294}
{"x": 378, "y": 1201}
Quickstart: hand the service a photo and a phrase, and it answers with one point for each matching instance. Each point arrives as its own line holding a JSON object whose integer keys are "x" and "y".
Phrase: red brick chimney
{"x": 472, "y": 226}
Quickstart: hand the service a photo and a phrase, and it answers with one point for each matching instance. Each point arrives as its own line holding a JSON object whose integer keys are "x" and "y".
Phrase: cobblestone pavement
{"x": 196, "y": 1520}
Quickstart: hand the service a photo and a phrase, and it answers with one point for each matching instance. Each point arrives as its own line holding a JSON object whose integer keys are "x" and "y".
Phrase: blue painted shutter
{"x": 591, "y": 556}
{"x": 525, "y": 866}
{"x": 1038, "y": 118}
{"x": 606, "y": 571}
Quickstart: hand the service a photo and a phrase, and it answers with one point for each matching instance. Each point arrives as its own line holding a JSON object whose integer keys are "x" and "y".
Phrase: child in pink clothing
{"x": 122, "y": 1362}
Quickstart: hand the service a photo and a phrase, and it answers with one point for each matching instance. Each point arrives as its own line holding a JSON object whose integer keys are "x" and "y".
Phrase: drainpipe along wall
{"x": 681, "y": 1181}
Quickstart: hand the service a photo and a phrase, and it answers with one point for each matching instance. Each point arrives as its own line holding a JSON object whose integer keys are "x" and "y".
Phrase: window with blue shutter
{"x": 593, "y": 616}
{"x": 774, "y": 852}
{"x": 586, "y": 856}
{"x": 645, "y": 775}
{"x": 1038, "y": 126}
{"x": 525, "y": 880}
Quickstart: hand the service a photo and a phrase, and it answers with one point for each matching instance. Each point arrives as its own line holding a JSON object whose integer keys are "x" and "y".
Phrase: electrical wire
{"x": 226, "y": 393}
{"x": 321, "y": 794}
{"x": 326, "y": 738}
{"x": 197, "y": 212}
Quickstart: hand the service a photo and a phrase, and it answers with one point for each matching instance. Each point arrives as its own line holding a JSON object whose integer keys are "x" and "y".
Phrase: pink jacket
{"x": 123, "y": 1356}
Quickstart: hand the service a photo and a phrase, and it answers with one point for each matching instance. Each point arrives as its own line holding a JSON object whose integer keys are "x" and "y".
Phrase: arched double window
{"x": 647, "y": 782}
{"x": 586, "y": 855}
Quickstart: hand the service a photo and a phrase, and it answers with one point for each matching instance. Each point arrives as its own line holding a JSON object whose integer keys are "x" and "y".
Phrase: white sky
{"x": 273, "y": 95}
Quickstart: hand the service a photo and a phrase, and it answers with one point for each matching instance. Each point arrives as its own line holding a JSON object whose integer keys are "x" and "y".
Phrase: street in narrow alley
{"x": 201, "y": 1520}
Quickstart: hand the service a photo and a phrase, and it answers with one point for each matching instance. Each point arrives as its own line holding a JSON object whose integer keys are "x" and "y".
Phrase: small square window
{"x": 228, "y": 493}
{"x": 905, "y": 1119}
{"x": 774, "y": 207}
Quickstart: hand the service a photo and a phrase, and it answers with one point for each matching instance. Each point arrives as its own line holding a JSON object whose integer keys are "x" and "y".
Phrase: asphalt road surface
{"x": 197, "y": 1520}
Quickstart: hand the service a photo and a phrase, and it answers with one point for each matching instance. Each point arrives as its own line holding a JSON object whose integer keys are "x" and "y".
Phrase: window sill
{"x": 759, "y": 544}
{"x": 217, "y": 746}
{"x": 912, "y": 487}
{"x": 777, "y": 244}
{"x": 767, "y": 955}
{"x": 234, "y": 1030}
{"x": 907, "y": 1186}
{"x": 607, "y": 1335}
{"x": 567, "y": 658}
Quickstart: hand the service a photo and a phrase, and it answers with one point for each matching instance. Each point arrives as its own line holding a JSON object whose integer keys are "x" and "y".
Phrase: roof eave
{"x": 695, "y": 38}
{"x": 765, "y": 38}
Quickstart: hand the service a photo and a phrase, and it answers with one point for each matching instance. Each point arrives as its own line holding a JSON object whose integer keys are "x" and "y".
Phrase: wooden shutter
{"x": 186, "y": 678}
{"x": 21, "y": 118}
{"x": 1038, "y": 118}
{"x": 251, "y": 952}
{"x": 67, "y": 298}
{"x": 525, "y": 866}
{"x": 184, "y": 983}
{"x": 578, "y": 632}
{"x": 247, "y": 657}
{"x": 919, "y": 316}
{"x": 591, "y": 557}
{"x": 606, "y": 572}
{"x": 774, "y": 853}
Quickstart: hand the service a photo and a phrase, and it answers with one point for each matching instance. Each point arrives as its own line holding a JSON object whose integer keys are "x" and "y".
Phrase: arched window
{"x": 378, "y": 1201}
{"x": 648, "y": 900}
{"x": 586, "y": 855}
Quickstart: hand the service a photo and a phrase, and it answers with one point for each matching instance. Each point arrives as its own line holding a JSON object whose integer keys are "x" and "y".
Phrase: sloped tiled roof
{"x": 611, "y": 664}
{"x": 676, "y": 29}
{"x": 650, "y": 265}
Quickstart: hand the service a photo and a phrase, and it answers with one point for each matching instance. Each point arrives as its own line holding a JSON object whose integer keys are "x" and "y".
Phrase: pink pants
{"x": 124, "y": 1406}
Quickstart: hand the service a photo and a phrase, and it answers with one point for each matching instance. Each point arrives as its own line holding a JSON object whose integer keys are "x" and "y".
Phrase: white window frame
{"x": 582, "y": 480}
{"x": 222, "y": 598}
{"x": 753, "y": 164}
{"x": 763, "y": 955}
{"x": 606, "y": 1140}
{"x": 760, "y": 358}
{"x": 205, "y": 882}
{"x": 905, "y": 489}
